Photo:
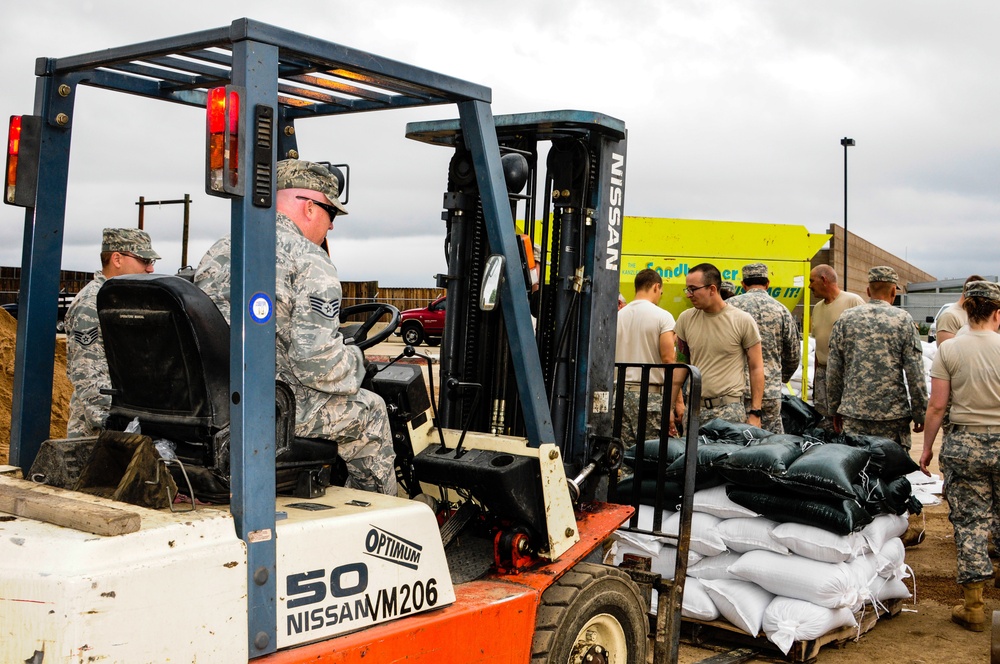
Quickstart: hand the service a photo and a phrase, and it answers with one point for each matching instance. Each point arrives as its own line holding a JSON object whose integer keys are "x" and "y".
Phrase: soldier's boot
{"x": 970, "y": 614}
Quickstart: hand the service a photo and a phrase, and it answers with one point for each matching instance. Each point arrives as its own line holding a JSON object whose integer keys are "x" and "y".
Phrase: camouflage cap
{"x": 755, "y": 271}
{"x": 883, "y": 273}
{"x": 727, "y": 287}
{"x": 301, "y": 174}
{"x": 129, "y": 240}
{"x": 984, "y": 289}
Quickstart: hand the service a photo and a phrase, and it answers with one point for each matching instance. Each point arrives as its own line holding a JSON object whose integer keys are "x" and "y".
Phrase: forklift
{"x": 519, "y": 442}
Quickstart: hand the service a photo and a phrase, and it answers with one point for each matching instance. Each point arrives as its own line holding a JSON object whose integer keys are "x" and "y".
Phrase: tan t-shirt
{"x": 824, "y": 316}
{"x": 640, "y": 324}
{"x": 952, "y": 319}
{"x": 971, "y": 363}
{"x": 717, "y": 345}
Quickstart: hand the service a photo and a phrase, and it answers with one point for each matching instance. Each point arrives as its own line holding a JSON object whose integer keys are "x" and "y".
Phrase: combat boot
{"x": 970, "y": 613}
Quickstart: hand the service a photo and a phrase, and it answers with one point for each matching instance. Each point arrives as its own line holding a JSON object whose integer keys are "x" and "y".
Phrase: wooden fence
{"x": 69, "y": 281}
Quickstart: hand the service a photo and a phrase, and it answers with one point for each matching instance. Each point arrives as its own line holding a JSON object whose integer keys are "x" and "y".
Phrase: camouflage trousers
{"x": 897, "y": 430}
{"x": 358, "y": 424}
{"x": 771, "y": 419}
{"x": 731, "y": 412}
{"x": 971, "y": 468}
{"x": 630, "y": 417}
{"x": 819, "y": 391}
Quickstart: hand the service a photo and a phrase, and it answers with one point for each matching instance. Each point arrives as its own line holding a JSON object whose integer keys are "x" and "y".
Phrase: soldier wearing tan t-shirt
{"x": 823, "y": 283}
{"x": 720, "y": 340}
{"x": 954, "y": 317}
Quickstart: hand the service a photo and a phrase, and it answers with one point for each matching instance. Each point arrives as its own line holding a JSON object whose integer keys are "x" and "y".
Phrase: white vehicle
{"x": 932, "y": 333}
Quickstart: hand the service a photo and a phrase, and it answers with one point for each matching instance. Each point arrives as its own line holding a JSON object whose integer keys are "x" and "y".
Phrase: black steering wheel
{"x": 357, "y": 333}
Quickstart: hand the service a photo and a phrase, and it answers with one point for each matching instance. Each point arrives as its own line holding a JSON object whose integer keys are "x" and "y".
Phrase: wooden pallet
{"x": 701, "y": 632}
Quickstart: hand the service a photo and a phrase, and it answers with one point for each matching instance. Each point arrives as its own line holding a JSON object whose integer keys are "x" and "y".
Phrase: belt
{"x": 715, "y": 402}
{"x": 977, "y": 428}
{"x": 637, "y": 387}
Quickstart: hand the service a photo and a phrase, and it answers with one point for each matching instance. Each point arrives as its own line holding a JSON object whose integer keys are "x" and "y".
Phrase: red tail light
{"x": 223, "y": 124}
{"x": 13, "y": 147}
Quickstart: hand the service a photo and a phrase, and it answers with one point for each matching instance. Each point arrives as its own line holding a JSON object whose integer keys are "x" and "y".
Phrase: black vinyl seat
{"x": 167, "y": 347}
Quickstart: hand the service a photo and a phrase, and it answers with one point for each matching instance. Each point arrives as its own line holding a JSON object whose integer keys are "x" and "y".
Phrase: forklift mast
{"x": 571, "y": 210}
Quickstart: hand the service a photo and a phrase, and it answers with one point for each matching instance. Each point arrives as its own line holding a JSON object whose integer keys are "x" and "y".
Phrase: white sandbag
{"x": 714, "y": 501}
{"x": 697, "y": 603}
{"x": 888, "y": 589}
{"x": 818, "y": 543}
{"x": 662, "y": 563}
{"x": 714, "y": 567}
{"x": 744, "y": 534}
{"x": 832, "y": 585}
{"x": 646, "y": 513}
{"x": 865, "y": 571}
{"x": 891, "y": 560}
{"x": 788, "y": 620}
{"x": 704, "y": 532}
{"x": 740, "y": 602}
{"x": 883, "y": 529}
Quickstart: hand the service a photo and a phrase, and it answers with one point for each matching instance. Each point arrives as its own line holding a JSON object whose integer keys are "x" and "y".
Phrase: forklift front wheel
{"x": 593, "y": 613}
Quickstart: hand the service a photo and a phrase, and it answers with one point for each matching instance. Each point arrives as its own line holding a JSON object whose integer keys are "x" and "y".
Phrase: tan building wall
{"x": 862, "y": 255}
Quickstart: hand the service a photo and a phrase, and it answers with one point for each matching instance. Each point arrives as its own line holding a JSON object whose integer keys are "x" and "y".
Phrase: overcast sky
{"x": 735, "y": 111}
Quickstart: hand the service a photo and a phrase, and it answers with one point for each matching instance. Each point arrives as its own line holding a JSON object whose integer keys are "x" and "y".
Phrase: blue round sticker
{"x": 260, "y": 308}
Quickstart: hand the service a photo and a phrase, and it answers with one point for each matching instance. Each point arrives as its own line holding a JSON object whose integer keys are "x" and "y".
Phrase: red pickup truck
{"x": 424, "y": 324}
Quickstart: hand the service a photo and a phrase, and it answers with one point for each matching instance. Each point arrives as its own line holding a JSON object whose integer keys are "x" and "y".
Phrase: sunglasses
{"x": 145, "y": 261}
{"x": 330, "y": 210}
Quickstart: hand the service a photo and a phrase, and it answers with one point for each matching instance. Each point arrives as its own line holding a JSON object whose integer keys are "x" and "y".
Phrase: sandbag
{"x": 796, "y": 415}
{"x": 720, "y": 431}
{"x": 651, "y": 453}
{"x": 706, "y": 471}
{"x": 888, "y": 497}
{"x": 826, "y": 470}
{"x": 787, "y": 620}
{"x": 780, "y": 438}
{"x": 663, "y": 558}
{"x": 744, "y": 534}
{"x": 697, "y": 603}
{"x": 757, "y": 466}
{"x": 672, "y": 491}
{"x": 740, "y": 602}
{"x": 883, "y": 528}
{"x": 839, "y": 516}
{"x": 817, "y": 543}
{"x": 714, "y": 567}
{"x": 832, "y": 585}
{"x": 705, "y": 537}
{"x": 890, "y": 562}
{"x": 714, "y": 501}
{"x": 889, "y": 459}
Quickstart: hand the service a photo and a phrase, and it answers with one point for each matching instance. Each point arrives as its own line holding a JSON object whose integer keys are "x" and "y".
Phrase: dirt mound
{"x": 61, "y": 387}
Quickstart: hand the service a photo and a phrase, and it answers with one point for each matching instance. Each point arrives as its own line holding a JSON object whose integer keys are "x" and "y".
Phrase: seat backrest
{"x": 167, "y": 348}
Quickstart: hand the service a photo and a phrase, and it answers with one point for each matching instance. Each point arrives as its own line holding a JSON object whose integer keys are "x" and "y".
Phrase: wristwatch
{"x": 756, "y": 411}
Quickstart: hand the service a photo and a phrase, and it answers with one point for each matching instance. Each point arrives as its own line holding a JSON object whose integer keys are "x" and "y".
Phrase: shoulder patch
{"x": 85, "y": 337}
{"x": 325, "y": 308}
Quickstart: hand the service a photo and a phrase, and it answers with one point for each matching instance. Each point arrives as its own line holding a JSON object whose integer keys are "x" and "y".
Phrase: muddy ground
{"x": 923, "y": 632}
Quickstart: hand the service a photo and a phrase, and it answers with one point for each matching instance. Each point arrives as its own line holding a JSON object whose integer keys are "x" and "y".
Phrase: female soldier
{"x": 967, "y": 368}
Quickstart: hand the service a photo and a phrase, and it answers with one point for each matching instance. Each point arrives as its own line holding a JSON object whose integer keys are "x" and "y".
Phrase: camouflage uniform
{"x": 779, "y": 344}
{"x": 86, "y": 365}
{"x": 872, "y": 348}
{"x": 630, "y": 417}
{"x": 731, "y": 412}
{"x": 971, "y": 469}
{"x": 323, "y": 372}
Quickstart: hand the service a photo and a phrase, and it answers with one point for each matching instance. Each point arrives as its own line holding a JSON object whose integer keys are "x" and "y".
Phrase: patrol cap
{"x": 301, "y": 174}
{"x": 727, "y": 287}
{"x": 755, "y": 271}
{"x": 883, "y": 273}
{"x": 984, "y": 289}
{"x": 129, "y": 240}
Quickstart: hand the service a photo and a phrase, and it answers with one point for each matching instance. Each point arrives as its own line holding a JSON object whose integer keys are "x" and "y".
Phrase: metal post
{"x": 184, "y": 233}
{"x": 846, "y": 142}
{"x": 142, "y": 210}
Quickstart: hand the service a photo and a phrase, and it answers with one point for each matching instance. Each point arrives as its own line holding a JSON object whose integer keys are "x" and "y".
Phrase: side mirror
{"x": 492, "y": 277}
{"x": 929, "y": 319}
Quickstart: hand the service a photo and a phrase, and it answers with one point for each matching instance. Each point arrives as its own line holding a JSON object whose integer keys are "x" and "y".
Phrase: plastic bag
{"x": 165, "y": 448}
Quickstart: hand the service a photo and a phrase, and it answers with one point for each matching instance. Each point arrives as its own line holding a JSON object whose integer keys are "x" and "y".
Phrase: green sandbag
{"x": 758, "y": 465}
{"x": 651, "y": 453}
{"x": 720, "y": 431}
{"x": 826, "y": 470}
{"x": 889, "y": 459}
{"x": 647, "y": 492}
{"x": 796, "y": 415}
{"x": 706, "y": 474}
{"x": 892, "y": 497}
{"x": 840, "y": 516}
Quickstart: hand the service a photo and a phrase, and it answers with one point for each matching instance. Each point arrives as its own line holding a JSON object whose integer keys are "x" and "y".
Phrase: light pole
{"x": 846, "y": 142}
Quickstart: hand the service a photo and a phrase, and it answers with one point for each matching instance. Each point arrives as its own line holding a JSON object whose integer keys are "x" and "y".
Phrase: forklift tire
{"x": 412, "y": 334}
{"x": 593, "y": 613}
